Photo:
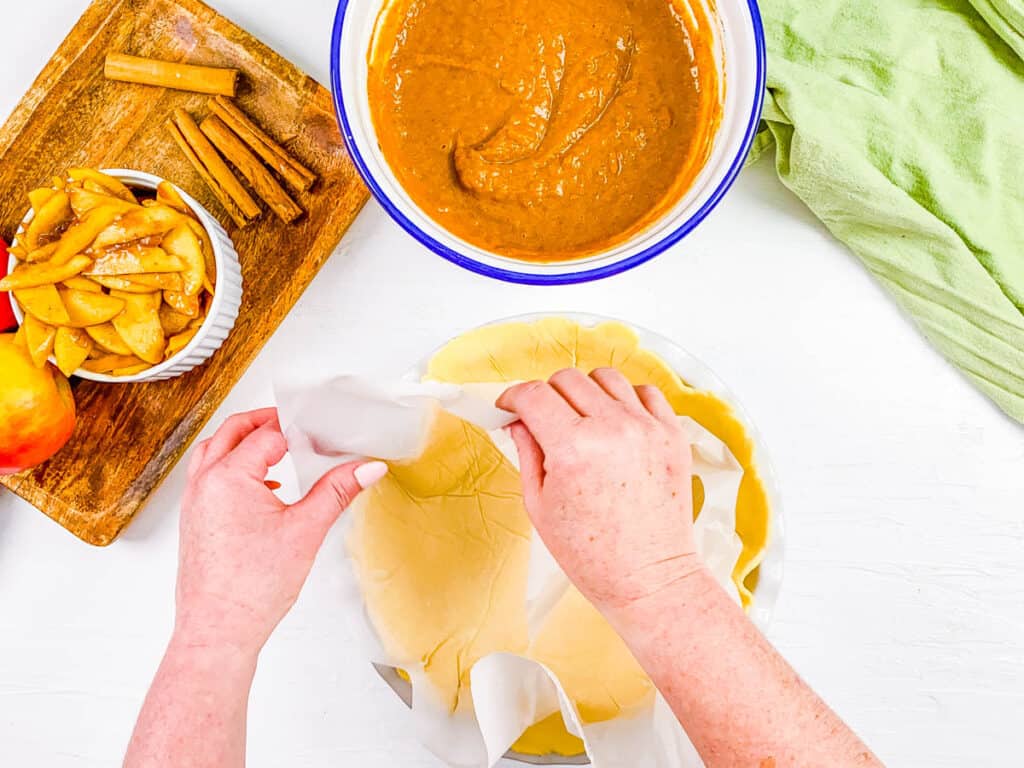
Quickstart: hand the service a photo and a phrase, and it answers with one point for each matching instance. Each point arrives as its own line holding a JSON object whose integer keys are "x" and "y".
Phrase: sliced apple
{"x": 131, "y": 370}
{"x": 108, "y": 183}
{"x": 150, "y": 221}
{"x": 173, "y": 321}
{"x": 166, "y": 281}
{"x": 167, "y": 194}
{"x": 83, "y": 284}
{"x": 136, "y": 260}
{"x": 37, "y": 197}
{"x": 183, "y": 243}
{"x": 43, "y": 253}
{"x": 86, "y": 308}
{"x": 71, "y": 347}
{"x": 179, "y": 341}
{"x": 43, "y": 302}
{"x": 80, "y": 235}
{"x": 44, "y": 273}
{"x": 84, "y": 201}
{"x": 39, "y": 338}
{"x": 208, "y": 256}
{"x": 108, "y": 339}
{"x": 139, "y": 325}
{"x": 109, "y": 363}
{"x": 54, "y": 213}
{"x": 182, "y": 302}
{"x": 119, "y": 283}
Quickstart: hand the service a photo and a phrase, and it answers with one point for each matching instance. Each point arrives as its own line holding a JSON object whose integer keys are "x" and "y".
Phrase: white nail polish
{"x": 370, "y": 473}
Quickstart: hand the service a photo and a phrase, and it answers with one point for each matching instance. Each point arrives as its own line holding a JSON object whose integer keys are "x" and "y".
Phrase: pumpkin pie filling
{"x": 544, "y": 131}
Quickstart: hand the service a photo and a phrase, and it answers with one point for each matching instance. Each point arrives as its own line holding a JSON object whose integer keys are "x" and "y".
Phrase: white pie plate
{"x": 700, "y": 376}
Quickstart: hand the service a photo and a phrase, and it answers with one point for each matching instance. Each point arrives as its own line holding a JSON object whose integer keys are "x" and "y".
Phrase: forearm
{"x": 195, "y": 711}
{"x": 741, "y": 704}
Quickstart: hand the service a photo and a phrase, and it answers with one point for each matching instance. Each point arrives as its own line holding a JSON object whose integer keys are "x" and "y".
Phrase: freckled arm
{"x": 741, "y": 704}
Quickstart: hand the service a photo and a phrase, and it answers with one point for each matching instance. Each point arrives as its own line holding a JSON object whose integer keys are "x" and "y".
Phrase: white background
{"x": 903, "y": 601}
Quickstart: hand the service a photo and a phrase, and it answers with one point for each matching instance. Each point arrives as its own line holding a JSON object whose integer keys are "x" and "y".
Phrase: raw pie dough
{"x": 441, "y": 546}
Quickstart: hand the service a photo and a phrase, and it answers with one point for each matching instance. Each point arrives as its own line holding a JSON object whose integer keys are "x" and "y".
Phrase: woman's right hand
{"x": 606, "y": 480}
{"x": 607, "y": 483}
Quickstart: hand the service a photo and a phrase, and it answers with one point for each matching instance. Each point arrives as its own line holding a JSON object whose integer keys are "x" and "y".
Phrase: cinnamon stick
{"x": 225, "y": 199}
{"x": 249, "y": 165}
{"x": 272, "y": 153}
{"x": 215, "y": 165}
{"x": 170, "y": 74}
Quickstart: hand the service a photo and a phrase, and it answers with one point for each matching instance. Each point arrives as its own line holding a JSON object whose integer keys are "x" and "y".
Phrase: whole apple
{"x": 37, "y": 409}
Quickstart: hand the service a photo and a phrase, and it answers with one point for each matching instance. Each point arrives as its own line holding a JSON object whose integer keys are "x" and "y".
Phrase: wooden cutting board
{"x": 130, "y": 436}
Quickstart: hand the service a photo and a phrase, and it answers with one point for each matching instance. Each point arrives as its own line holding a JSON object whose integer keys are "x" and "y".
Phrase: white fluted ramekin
{"x": 227, "y": 293}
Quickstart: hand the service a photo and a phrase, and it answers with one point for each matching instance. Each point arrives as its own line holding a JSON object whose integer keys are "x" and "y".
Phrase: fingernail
{"x": 370, "y": 473}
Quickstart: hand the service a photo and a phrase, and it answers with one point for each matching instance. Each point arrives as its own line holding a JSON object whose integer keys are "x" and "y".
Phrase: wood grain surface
{"x": 129, "y": 436}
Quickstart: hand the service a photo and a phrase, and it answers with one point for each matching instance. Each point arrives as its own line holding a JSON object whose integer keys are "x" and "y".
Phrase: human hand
{"x": 243, "y": 553}
{"x": 607, "y": 483}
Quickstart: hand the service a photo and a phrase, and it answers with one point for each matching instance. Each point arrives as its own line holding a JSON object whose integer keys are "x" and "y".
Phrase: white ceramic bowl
{"x": 698, "y": 375}
{"x": 227, "y": 296}
{"x": 742, "y": 52}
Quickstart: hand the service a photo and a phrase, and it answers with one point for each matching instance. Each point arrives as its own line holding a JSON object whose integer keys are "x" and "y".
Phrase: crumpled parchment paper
{"x": 351, "y": 417}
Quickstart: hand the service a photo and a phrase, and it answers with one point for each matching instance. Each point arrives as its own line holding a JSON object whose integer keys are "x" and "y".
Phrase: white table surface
{"x": 903, "y": 601}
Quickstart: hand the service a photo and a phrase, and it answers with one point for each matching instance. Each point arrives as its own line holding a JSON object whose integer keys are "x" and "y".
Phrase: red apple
{"x": 37, "y": 409}
{"x": 7, "y": 321}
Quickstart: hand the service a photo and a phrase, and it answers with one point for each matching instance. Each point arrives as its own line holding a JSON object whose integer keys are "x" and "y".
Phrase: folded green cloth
{"x": 900, "y": 123}
{"x": 1006, "y": 17}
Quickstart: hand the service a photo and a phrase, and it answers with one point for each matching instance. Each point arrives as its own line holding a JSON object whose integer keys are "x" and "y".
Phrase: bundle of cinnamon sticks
{"x": 227, "y": 136}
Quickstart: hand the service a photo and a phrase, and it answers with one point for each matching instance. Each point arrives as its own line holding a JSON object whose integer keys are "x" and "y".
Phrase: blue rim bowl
{"x": 564, "y": 277}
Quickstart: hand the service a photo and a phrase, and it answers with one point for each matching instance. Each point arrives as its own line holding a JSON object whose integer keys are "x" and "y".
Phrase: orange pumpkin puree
{"x": 542, "y": 130}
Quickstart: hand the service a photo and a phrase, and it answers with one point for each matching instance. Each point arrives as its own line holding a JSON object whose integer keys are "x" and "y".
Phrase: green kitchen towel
{"x": 900, "y": 123}
{"x": 1007, "y": 18}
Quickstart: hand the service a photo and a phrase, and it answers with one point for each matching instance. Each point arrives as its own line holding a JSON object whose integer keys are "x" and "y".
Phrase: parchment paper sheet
{"x": 351, "y": 417}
